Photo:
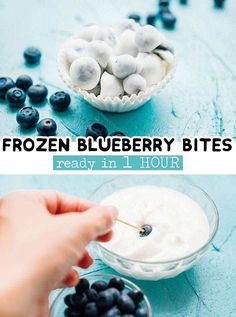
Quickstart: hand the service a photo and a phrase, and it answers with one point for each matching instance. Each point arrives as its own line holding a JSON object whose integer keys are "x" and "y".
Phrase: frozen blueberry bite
{"x": 117, "y": 60}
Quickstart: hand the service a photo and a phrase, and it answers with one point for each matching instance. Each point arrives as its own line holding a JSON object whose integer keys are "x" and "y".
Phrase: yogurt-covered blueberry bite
{"x": 174, "y": 225}
{"x": 136, "y": 57}
{"x": 85, "y": 72}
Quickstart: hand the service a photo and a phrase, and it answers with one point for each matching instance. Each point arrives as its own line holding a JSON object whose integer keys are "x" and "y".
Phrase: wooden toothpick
{"x": 133, "y": 226}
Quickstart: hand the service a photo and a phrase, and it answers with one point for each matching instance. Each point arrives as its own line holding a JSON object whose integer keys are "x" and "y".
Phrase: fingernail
{"x": 113, "y": 210}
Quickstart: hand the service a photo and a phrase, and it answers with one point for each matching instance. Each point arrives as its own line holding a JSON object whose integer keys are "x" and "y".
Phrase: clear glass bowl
{"x": 159, "y": 269}
{"x": 58, "y": 305}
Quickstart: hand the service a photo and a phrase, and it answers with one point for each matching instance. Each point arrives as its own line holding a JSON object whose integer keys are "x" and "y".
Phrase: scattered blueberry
{"x": 168, "y": 19}
{"x": 117, "y": 282}
{"x": 32, "y": 55}
{"x": 24, "y": 82}
{"x": 79, "y": 300}
{"x": 113, "y": 312}
{"x": 15, "y": 97}
{"x": 6, "y": 83}
{"x": 60, "y": 101}
{"x": 151, "y": 19}
{"x": 27, "y": 117}
{"x": 82, "y": 286}
{"x": 126, "y": 304}
{"x": 91, "y": 310}
{"x": 136, "y": 295}
{"x": 99, "y": 286}
{"x": 141, "y": 312}
{"x": 95, "y": 130}
{"x": 117, "y": 133}
{"x": 219, "y": 3}
{"x": 135, "y": 17}
{"x": 37, "y": 93}
{"x": 91, "y": 294}
{"x": 47, "y": 127}
{"x": 146, "y": 232}
{"x": 183, "y": 1}
{"x": 164, "y": 4}
{"x": 105, "y": 300}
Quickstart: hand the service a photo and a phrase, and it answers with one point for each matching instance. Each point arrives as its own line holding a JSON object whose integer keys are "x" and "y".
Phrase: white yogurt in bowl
{"x": 183, "y": 218}
{"x": 179, "y": 225}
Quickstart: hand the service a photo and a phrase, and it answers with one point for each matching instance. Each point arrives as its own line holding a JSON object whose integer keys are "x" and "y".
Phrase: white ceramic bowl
{"x": 58, "y": 305}
{"x": 124, "y": 104}
{"x": 158, "y": 269}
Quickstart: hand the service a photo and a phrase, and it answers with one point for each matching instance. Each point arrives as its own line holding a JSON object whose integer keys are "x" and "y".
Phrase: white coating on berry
{"x": 74, "y": 49}
{"x": 100, "y": 51}
{"x": 85, "y": 73}
{"x": 111, "y": 86}
{"x": 126, "y": 44}
{"x": 123, "y": 66}
{"x": 87, "y": 32}
{"x": 134, "y": 84}
{"x": 147, "y": 38}
{"x": 151, "y": 67}
{"x": 106, "y": 34}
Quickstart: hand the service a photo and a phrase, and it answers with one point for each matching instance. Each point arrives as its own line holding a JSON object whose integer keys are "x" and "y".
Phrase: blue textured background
{"x": 199, "y": 101}
{"x": 207, "y": 290}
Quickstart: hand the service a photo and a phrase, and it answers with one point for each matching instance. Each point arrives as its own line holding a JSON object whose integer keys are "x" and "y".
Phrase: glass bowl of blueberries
{"x": 101, "y": 295}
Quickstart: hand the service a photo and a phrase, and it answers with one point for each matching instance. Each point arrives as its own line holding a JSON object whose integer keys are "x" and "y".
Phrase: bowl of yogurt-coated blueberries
{"x": 117, "y": 68}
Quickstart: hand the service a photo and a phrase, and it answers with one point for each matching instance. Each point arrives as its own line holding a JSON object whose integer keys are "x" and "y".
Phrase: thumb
{"x": 82, "y": 228}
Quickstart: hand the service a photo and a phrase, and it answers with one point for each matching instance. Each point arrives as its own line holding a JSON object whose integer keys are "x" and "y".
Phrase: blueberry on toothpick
{"x": 147, "y": 229}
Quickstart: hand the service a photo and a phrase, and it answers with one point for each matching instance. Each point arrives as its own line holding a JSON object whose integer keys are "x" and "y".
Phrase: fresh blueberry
{"x": 91, "y": 310}
{"x": 117, "y": 133}
{"x": 113, "y": 312}
{"x": 136, "y": 295}
{"x": 95, "y": 130}
{"x": 141, "y": 312}
{"x": 99, "y": 286}
{"x": 147, "y": 230}
{"x": 47, "y": 127}
{"x": 67, "y": 300}
{"x": 164, "y": 4}
{"x": 219, "y": 3}
{"x": 168, "y": 19}
{"x": 79, "y": 300}
{"x": 60, "y": 101}
{"x": 135, "y": 17}
{"x": 105, "y": 300}
{"x": 24, "y": 82}
{"x": 27, "y": 117}
{"x": 6, "y": 83}
{"x": 114, "y": 292}
{"x": 37, "y": 93}
{"x": 151, "y": 19}
{"x": 91, "y": 294}
{"x": 82, "y": 286}
{"x": 183, "y": 1}
{"x": 15, "y": 97}
{"x": 32, "y": 55}
{"x": 125, "y": 291}
{"x": 117, "y": 282}
{"x": 126, "y": 304}
{"x": 71, "y": 312}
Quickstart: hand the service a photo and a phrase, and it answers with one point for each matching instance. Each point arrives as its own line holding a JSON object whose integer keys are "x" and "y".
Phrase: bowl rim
{"x": 204, "y": 246}
{"x": 132, "y": 98}
{"x": 100, "y": 275}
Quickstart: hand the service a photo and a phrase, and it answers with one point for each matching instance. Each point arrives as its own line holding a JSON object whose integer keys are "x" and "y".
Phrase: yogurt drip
{"x": 179, "y": 225}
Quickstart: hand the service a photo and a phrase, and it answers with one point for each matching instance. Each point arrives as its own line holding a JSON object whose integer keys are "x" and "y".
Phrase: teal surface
{"x": 199, "y": 101}
{"x": 207, "y": 290}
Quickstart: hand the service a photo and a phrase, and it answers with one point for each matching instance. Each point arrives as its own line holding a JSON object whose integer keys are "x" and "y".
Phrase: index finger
{"x": 59, "y": 203}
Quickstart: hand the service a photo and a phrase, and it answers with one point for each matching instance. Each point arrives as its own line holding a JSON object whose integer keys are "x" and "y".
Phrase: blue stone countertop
{"x": 207, "y": 290}
{"x": 199, "y": 101}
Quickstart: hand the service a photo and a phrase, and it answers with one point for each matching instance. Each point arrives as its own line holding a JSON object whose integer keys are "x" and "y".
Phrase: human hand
{"x": 42, "y": 235}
